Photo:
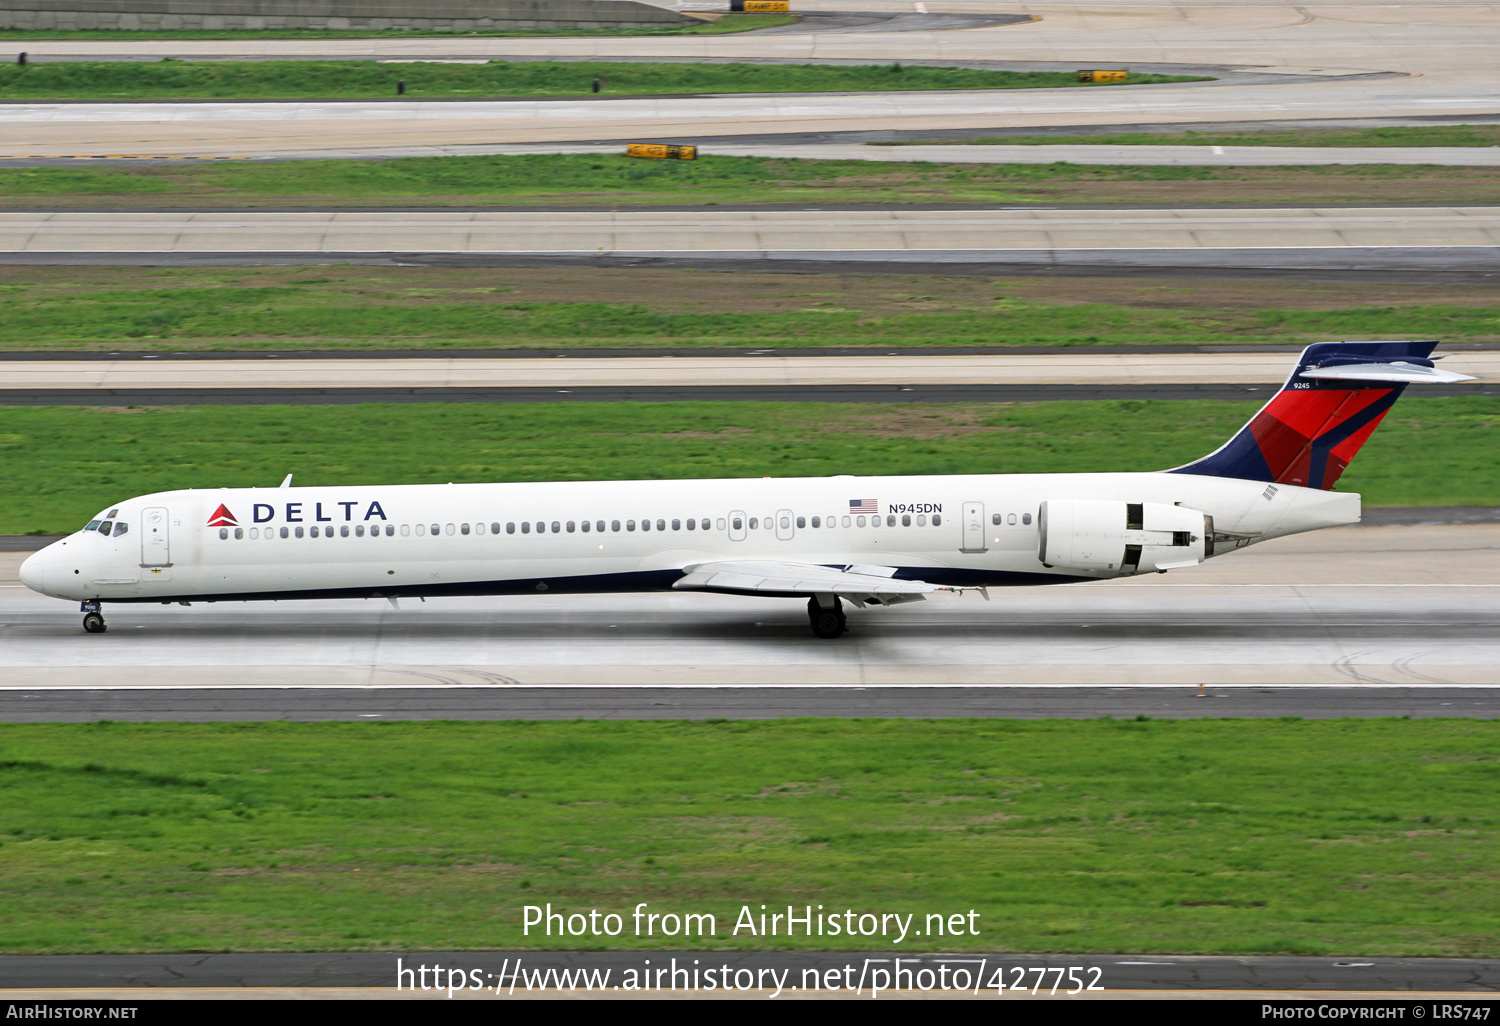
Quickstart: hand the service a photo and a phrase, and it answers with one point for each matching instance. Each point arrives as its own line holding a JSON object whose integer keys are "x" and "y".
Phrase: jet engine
{"x": 1119, "y": 538}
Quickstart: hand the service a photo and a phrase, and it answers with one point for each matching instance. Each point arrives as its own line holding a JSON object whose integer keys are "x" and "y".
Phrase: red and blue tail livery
{"x": 1332, "y": 402}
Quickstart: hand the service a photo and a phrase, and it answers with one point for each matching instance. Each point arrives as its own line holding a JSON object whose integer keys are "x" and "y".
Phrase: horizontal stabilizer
{"x": 1400, "y": 370}
{"x": 757, "y": 577}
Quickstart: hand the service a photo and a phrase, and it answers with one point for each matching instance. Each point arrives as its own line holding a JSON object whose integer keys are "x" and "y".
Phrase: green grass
{"x": 255, "y": 80}
{"x": 1406, "y": 135}
{"x": 605, "y": 179}
{"x": 339, "y": 308}
{"x": 727, "y": 23}
{"x": 64, "y": 463}
{"x": 1341, "y": 837}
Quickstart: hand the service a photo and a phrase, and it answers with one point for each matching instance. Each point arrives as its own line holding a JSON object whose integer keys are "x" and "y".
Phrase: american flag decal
{"x": 863, "y": 506}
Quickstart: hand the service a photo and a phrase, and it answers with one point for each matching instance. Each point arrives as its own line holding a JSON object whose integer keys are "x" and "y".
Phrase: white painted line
{"x": 707, "y": 687}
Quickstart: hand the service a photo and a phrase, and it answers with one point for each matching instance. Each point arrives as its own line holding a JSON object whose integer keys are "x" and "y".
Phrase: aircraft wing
{"x": 858, "y": 584}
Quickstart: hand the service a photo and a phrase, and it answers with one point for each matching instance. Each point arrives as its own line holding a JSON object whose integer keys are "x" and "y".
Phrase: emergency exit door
{"x": 156, "y": 538}
{"x": 973, "y": 524}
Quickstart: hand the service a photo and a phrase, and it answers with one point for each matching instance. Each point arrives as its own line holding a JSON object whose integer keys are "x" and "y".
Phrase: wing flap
{"x": 755, "y": 577}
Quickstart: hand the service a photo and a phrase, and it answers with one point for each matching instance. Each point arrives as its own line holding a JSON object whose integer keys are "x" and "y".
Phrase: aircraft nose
{"x": 32, "y": 573}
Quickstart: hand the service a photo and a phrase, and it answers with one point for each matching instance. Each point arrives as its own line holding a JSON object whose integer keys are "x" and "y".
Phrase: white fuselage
{"x": 467, "y": 539}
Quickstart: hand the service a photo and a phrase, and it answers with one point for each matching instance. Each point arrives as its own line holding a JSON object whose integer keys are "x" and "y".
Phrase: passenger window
{"x": 860, "y": 522}
{"x": 704, "y": 523}
{"x": 845, "y": 522}
{"x": 677, "y": 525}
{"x": 645, "y": 525}
{"x": 585, "y": 526}
{"x": 435, "y": 528}
{"x": 816, "y": 521}
{"x": 1011, "y": 519}
{"x": 284, "y": 532}
{"x": 890, "y": 521}
{"x": 630, "y": 525}
{"x": 359, "y": 530}
{"x": 526, "y": 527}
{"x": 510, "y": 528}
{"x": 801, "y": 521}
{"x": 570, "y": 527}
{"x": 421, "y": 530}
{"x": 313, "y": 531}
{"x": 478, "y": 528}
{"x": 995, "y": 519}
{"x": 937, "y": 520}
{"x": 556, "y": 527}
{"x": 406, "y": 530}
{"x": 921, "y": 520}
{"x": 738, "y": 522}
{"x": 299, "y": 532}
{"x": 239, "y": 533}
{"x": 661, "y": 525}
{"x": 254, "y": 533}
{"x": 754, "y": 524}
{"x": 905, "y": 519}
{"x": 495, "y": 527}
{"x": 691, "y": 524}
{"x": 614, "y": 525}
{"x": 463, "y": 528}
{"x": 1026, "y": 518}
{"x": 223, "y": 533}
{"x": 541, "y": 527}
{"x": 720, "y": 524}
{"x": 448, "y": 530}
{"x": 599, "y": 526}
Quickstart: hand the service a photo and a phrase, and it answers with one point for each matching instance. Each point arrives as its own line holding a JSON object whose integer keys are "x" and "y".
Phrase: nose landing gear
{"x": 826, "y": 622}
{"x": 93, "y": 619}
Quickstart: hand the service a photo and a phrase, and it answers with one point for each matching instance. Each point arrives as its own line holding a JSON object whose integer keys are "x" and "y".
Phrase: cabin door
{"x": 156, "y": 538}
{"x": 973, "y": 525}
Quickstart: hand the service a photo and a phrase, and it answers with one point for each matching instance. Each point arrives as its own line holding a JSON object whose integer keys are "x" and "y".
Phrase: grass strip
{"x": 354, "y": 307}
{"x": 1368, "y": 837}
{"x": 605, "y": 179}
{"x": 1399, "y": 135}
{"x": 267, "y": 80}
{"x": 65, "y": 463}
{"x": 725, "y": 23}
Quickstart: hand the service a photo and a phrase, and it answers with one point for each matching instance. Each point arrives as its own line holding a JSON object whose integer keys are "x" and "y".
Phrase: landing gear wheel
{"x": 94, "y": 623}
{"x": 826, "y": 623}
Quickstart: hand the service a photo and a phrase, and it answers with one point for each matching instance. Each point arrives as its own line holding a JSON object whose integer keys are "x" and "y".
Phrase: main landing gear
{"x": 93, "y": 619}
{"x": 826, "y": 621}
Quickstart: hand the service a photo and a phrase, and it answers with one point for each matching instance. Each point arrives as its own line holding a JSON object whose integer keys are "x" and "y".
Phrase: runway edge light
{"x": 1103, "y": 76}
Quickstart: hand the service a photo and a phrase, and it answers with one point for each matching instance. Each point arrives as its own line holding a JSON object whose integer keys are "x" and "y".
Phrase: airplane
{"x": 871, "y": 541}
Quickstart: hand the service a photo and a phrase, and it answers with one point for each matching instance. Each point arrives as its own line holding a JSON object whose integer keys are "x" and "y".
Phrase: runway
{"x": 947, "y": 153}
{"x": 767, "y": 374}
{"x": 1327, "y": 55}
{"x": 1442, "y": 237}
{"x": 24, "y": 977}
{"x": 1405, "y": 607}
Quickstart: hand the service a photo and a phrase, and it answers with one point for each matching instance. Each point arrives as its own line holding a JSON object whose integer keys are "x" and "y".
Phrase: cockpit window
{"x": 121, "y": 528}
{"x": 93, "y": 525}
{"x": 106, "y": 527}
{"x": 112, "y": 514}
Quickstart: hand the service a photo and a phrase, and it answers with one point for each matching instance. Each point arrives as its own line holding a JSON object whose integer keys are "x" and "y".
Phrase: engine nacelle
{"x": 1115, "y": 538}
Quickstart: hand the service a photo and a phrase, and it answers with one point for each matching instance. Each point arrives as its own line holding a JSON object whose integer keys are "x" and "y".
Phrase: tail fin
{"x": 1310, "y": 430}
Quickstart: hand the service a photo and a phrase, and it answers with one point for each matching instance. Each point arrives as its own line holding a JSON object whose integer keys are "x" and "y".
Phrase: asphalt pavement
{"x": 139, "y": 975}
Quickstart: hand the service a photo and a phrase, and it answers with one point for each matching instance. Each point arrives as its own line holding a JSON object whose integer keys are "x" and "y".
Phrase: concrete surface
{"x": 1080, "y": 369}
{"x": 1373, "y": 606}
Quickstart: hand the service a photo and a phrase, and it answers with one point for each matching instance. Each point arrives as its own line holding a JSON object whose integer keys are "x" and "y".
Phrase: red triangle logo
{"x": 222, "y": 518}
